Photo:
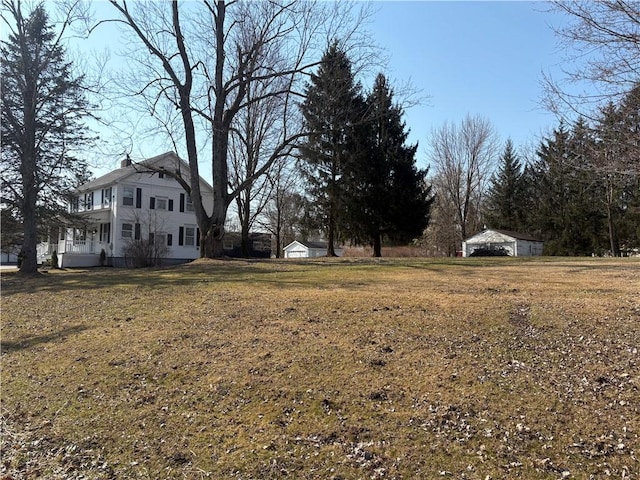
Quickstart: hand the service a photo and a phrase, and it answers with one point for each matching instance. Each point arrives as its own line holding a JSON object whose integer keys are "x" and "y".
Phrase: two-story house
{"x": 129, "y": 206}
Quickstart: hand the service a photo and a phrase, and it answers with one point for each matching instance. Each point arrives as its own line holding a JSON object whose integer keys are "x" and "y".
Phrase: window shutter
{"x": 101, "y": 230}
{"x": 138, "y": 198}
{"x": 197, "y": 237}
{"x": 181, "y": 236}
{"x": 152, "y": 203}
{"x": 170, "y": 205}
{"x": 182, "y": 202}
{"x": 169, "y": 239}
{"x": 137, "y": 232}
{"x": 102, "y": 197}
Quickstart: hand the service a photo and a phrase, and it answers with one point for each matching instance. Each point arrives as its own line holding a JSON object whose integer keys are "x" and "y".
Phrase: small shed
{"x": 513, "y": 244}
{"x": 305, "y": 249}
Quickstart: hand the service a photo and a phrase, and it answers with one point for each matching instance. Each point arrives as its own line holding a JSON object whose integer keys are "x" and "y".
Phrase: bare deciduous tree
{"x": 463, "y": 157}
{"x": 285, "y": 205}
{"x": 602, "y": 42}
{"x": 257, "y": 131}
{"x": 203, "y": 59}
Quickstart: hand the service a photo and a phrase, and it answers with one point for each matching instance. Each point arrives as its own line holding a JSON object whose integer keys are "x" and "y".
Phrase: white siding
{"x": 155, "y": 206}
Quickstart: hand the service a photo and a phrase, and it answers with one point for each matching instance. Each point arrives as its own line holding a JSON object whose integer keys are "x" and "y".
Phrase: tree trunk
{"x": 613, "y": 237}
{"x": 245, "y": 243}
{"x": 244, "y": 211}
{"x": 331, "y": 252}
{"x": 211, "y": 245}
{"x": 278, "y": 245}
{"x": 29, "y": 262}
{"x": 377, "y": 245}
{"x": 28, "y": 167}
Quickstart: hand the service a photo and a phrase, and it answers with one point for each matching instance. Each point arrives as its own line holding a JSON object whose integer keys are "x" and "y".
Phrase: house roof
{"x": 121, "y": 173}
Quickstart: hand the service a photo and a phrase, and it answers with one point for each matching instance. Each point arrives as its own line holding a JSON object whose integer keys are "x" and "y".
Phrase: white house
{"x": 128, "y": 204}
{"x": 300, "y": 249}
{"x": 512, "y": 243}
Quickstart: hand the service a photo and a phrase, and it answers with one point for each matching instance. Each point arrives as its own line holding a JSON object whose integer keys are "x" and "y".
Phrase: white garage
{"x": 300, "y": 249}
{"x": 512, "y": 244}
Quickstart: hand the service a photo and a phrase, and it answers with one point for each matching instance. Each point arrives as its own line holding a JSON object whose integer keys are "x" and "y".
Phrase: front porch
{"x": 82, "y": 253}
{"x": 75, "y": 253}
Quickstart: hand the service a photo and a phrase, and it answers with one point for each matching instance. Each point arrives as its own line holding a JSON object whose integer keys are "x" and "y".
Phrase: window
{"x": 127, "y": 196}
{"x": 88, "y": 201}
{"x": 189, "y": 204}
{"x": 106, "y": 197}
{"x": 127, "y": 230}
{"x": 105, "y": 232}
{"x": 190, "y": 236}
{"x": 161, "y": 203}
{"x": 75, "y": 204}
{"x": 159, "y": 239}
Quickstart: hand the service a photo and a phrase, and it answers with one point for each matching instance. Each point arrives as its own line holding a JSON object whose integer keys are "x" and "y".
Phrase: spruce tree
{"x": 565, "y": 214}
{"x": 333, "y": 106}
{"x": 506, "y": 190}
{"x": 615, "y": 169}
{"x": 43, "y": 106}
{"x": 386, "y": 195}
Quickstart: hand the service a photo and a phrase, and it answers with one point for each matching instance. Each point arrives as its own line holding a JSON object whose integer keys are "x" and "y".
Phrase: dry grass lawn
{"x": 324, "y": 369}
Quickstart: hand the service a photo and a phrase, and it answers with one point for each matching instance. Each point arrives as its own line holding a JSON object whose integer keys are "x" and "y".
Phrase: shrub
{"x": 144, "y": 253}
{"x": 54, "y": 260}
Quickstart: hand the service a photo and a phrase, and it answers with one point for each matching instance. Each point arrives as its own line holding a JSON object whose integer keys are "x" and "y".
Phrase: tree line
{"x": 579, "y": 191}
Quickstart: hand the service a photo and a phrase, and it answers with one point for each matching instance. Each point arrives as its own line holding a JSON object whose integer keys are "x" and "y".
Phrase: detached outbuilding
{"x": 503, "y": 242}
{"x": 300, "y": 249}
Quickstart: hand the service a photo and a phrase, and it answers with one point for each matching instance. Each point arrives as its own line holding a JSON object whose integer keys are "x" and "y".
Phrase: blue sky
{"x": 483, "y": 58}
{"x": 477, "y": 57}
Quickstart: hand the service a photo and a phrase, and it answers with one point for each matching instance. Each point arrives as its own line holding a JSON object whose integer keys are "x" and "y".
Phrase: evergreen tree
{"x": 42, "y": 110}
{"x": 565, "y": 214}
{"x": 332, "y": 107}
{"x": 506, "y": 191}
{"x": 386, "y": 195}
{"x": 615, "y": 169}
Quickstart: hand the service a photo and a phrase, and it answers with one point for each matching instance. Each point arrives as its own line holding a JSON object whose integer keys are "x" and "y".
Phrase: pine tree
{"x": 506, "y": 190}
{"x": 333, "y": 105}
{"x": 42, "y": 110}
{"x": 385, "y": 194}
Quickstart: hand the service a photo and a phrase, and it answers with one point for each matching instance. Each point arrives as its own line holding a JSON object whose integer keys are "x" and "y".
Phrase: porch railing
{"x": 82, "y": 246}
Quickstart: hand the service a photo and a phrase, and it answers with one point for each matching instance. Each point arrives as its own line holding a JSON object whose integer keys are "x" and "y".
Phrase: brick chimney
{"x": 126, "y": 162}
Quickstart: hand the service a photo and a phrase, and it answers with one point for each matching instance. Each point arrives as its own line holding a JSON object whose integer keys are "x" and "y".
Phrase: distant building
{"x": 305, "y": 249}
{"x": 503, "y": 242}
{"x": 259, "y": 245}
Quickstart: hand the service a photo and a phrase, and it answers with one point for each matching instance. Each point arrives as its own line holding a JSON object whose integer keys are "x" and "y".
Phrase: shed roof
{"x": 517, "y": 235}
{"x": 309, "y": 244}
{"x": 508, "y": 233}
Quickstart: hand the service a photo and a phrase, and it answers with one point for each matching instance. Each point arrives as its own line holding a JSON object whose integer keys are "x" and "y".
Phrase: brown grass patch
{"x": 329, "y": 368}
